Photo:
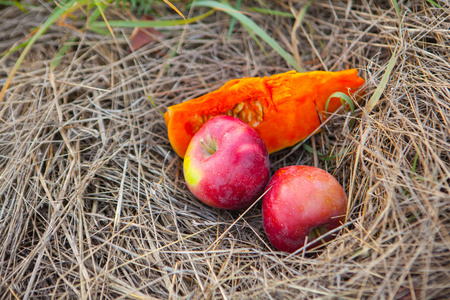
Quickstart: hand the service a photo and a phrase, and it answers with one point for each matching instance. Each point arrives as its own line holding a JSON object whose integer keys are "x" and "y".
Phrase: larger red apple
{"x": 303, "y": 203}
{"x": 226, "y": 164}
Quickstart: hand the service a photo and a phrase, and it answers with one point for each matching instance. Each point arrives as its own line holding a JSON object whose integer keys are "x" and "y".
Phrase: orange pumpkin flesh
{"x": 284, "y": 108}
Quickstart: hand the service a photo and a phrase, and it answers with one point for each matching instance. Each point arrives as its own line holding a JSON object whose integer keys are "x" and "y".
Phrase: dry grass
{"x": 92, "y": 199}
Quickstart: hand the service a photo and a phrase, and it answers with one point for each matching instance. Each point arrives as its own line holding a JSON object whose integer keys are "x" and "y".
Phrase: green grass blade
{"x": 8, "y": 3}
{"x": 321, "y": 156}
{"x": 154, "y": 105}
{"x": 57, "y": 13}
{"x": 18, "y": 4}
{"x": 93, "y": 16}
{"x": 253, "y": 27}
{"x": 15, "y": 48}
{"x": 298, "y": 21}
{"x": 416, "y": 157}
{"x": 55, "y": 62}
{"x": 397, "y": 9}
{"x": 133, "y": 4}
{"x": 257, "y": 41}
{"x": 233, "y": 19}
{"x": 344, "y": 99}
{"x": 142, "y": 6}
{"x": 434, "y": 3}
{"x": 380, "y": 88}
{"x": 266, "y": 11}
{"x": 153, "y": 24}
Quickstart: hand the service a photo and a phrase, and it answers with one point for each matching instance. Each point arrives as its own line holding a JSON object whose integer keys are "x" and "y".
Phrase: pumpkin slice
{"x": 284, "y": 108}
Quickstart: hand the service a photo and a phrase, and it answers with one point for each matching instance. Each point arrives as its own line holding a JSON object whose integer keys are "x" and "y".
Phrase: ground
{"x": 93, "y": 202}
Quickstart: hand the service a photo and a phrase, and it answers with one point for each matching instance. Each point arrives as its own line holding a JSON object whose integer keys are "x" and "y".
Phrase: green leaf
{"x": 251, "y": 26}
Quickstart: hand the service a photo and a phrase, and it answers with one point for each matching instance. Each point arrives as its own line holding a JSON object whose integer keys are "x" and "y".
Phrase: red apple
{"x": 303, "y": 202}
{"x": 226, "y": 164}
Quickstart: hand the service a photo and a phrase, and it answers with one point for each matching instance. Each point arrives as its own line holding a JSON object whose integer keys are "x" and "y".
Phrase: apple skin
{"x": 235, "y": 175}
{"x": 300, "y": 199}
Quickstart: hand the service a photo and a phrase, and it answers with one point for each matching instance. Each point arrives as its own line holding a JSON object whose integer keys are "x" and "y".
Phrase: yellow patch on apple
{"x": 192, "y": 175}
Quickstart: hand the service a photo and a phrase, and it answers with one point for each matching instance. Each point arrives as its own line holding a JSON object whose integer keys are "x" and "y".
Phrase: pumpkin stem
{"x": 202, "y": 141}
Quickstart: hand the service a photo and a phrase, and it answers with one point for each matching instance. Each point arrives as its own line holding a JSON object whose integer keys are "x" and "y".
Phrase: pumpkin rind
{"x": 284, "y": 108}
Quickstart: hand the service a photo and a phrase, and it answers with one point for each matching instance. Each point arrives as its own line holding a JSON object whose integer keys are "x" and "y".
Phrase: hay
{"x": 92, "y": 199}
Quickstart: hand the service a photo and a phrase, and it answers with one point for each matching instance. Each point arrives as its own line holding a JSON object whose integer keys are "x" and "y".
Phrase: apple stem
{"x": 202, "y": 141}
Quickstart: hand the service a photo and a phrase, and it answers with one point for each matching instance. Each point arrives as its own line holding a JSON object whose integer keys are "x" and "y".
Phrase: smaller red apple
{"x": 226, "y": 164}
{"x": 302, "y": 202}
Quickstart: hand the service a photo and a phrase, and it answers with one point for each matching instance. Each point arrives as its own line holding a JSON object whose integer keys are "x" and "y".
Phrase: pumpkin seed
{"x": 249, "y": 117}
{"x": 238, "y": 108}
